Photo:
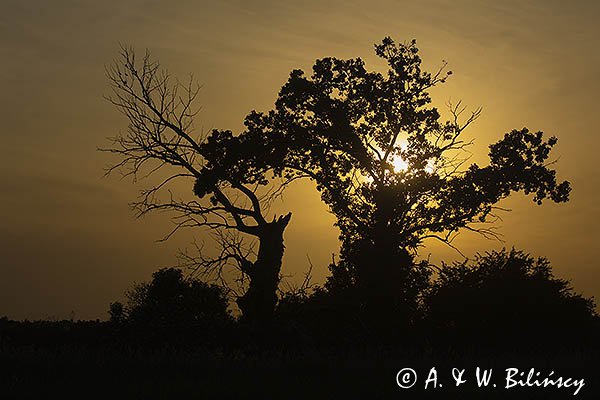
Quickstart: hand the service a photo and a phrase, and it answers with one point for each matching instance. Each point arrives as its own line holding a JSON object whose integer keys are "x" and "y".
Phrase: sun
{"x": 399, "y": 164}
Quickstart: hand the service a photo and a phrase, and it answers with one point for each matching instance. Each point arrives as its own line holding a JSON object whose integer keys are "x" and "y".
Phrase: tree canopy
{"x": 346, "y": 127}
{"x": 387, "y": 165}
{"x": 507, "y": 296}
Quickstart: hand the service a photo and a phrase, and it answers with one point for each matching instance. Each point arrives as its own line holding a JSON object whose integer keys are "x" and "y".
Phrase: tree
{"x": 510, "y": 297}
{"x": 116, "y": 311}
{"x": 232, "y": 192}
{"x": 170, "y": 298}
{"x": 171, "y": 306}
{"x": 390, "y": 170}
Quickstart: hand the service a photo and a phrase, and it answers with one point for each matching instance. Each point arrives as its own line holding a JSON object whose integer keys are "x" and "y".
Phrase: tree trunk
{"x": 258, "y": 303}
{"x": 388, "y": 279}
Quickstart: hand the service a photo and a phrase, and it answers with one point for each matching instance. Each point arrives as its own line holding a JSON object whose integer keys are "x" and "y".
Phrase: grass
{"x": 203, "y": 373}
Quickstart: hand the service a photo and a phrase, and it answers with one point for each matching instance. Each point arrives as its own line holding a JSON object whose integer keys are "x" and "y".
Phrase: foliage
{"x": 511, "y": 296}
{"x": 172, "y": 307}
{"x": 345, "y": 127}
{"x": 116, "y": 311}
{"x": 349, "y": 129}
{"x": 171, "y": 299}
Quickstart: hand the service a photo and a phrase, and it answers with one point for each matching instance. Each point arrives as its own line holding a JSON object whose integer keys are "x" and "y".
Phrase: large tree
{"x": 393, "y": 173}
{"x": 233, "y": 190}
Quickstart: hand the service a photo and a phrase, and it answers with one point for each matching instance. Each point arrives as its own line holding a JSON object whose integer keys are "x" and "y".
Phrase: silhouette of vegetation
{"x": 314, "y": 345}
{"x": 232, "y": 192}
{"x": 508, "y": 298}
{"x": 172, "y": 308}
{"x": 388, "y": 167}
{"x": 116, "y": 311}
{"x": 393, "y": 173}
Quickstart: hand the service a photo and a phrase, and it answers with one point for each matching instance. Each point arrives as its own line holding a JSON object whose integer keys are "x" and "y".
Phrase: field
{"x": 203, "y": 373}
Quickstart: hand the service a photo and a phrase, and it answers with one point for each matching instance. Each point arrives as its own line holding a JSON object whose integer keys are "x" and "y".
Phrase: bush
{"x": 508, "y": 298}
{"x": 172, "y": 308}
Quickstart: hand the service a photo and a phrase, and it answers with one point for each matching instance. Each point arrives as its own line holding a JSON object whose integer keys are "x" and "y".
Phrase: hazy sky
{"x": 68, "y": 241}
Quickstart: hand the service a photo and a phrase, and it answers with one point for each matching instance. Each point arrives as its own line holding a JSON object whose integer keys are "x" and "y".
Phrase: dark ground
{"x": 110, "y": 370}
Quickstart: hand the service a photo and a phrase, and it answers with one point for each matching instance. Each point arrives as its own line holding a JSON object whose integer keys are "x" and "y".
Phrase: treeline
{"x": 502, "y": 301}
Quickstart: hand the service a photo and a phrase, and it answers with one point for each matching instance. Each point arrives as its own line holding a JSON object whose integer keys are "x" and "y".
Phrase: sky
{"x": 69, "y": 244}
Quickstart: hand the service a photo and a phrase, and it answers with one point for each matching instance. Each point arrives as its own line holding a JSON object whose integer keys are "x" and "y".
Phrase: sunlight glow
{"x": 399, "y": 164}
{"x": 402, "y": 166}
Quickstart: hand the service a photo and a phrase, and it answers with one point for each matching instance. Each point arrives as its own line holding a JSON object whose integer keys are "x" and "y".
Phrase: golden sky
{"x": 68, "y": 242}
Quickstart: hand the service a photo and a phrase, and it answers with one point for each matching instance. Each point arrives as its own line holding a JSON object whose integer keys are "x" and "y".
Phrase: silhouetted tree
{"x": 390, "y": 170}
{"x": 116, "y": 311}
{"x": 508, "y": 297}
{"x": 171, "y": 305}
{"x": 232, "y": 192}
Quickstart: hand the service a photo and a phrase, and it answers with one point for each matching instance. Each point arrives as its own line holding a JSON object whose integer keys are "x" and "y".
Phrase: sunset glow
{"x": 399, "y": 164}
{"x": 62, "y": 223}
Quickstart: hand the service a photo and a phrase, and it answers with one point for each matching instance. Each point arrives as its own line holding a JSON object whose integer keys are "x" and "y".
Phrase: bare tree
{"x": 232, "y": 193}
